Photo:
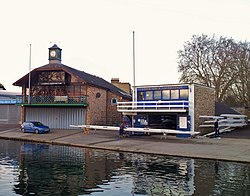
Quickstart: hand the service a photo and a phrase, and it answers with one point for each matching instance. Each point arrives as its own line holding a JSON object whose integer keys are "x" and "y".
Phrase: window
{"x": 114, "y": 101}
{"x": 98, "y": 95}
{"x": 71, "y": 90}
{"x": 174, "y": 94}
{"x": 149, "y": 95}
{"x": 157, "y": 95}
{"x": 51, "y": 78}
{"x": 184, "y": 94}
{"x": 166, "y": 94}
{"x": 77, "y": 90}
{"x": 140, "y": 96}
{"x": 83, "y": 89}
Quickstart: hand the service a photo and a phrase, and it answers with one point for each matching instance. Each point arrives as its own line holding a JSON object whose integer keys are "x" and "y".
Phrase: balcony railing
{"x": 52, "y": 100}
{"x": 153, "y": 106}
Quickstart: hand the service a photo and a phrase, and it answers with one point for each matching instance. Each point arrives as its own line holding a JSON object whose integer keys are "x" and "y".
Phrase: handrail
{"x": 43, "y": 99}
{"x": 152, "y": 105}
{"x": 159, "y": 101}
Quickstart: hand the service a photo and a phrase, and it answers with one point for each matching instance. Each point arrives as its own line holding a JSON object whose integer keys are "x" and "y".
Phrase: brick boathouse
{"x": 61, "y": 95}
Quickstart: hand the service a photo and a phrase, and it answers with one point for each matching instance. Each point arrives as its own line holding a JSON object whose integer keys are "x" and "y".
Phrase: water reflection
{"x": 41, "y": 169}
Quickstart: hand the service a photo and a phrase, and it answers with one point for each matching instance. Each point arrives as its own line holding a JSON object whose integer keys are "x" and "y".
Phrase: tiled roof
{"x": 54, "y": 47}
{"x": 221, "y": 108}
{"x": 88, "y": 78}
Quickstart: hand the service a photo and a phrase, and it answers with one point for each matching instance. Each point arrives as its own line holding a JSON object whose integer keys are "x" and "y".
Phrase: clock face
{"x": 52, "y": 53}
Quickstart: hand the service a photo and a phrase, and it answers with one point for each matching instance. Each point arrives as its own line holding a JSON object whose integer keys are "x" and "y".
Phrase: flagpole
{"x": 29, "y": 75}
{"x": 134, "y": 66}
{"x": 133, "y": 95}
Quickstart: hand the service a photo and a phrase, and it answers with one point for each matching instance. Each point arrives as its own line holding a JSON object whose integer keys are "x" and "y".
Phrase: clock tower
{"x": 55, "y": 54}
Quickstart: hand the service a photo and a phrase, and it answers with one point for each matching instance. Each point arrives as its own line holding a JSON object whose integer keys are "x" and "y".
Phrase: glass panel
{"x": 77, "y": 90}
{"x": 51, "y": 78}
{"x": 174, "y": 94}
{"x": 149, "y": 95}
{"x": 157, "y": 95}
{"x": 140, "y": 96}
{"x": 114, "y": 101}
{"x": 184, "y": 94}
{"x": 71, "y": 90}
{"x": 166, "y": 94}
{"x": 83, "y": 90}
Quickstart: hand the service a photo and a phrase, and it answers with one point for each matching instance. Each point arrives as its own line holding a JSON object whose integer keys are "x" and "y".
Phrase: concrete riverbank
{"x": 229, "y": 149}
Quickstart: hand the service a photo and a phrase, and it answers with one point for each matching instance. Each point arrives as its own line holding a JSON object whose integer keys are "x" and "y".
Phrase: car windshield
{"x": 37, "y": 124}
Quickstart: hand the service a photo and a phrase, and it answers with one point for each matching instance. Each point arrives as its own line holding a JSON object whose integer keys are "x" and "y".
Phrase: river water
{"x": 41, "y": 169}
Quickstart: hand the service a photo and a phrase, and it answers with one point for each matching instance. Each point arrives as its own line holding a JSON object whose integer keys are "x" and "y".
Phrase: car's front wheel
{"x": 36, "y": 131}
{"x": 23, "y": 130}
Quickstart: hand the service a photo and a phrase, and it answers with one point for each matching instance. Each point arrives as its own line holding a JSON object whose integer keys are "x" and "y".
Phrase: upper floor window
{"x": 174, "y": 94}
{"x": 166, "y": 94}
{"x": 157, "y": 95}
{"x": 51, "y": 78}
{"x": 114, "y": 101}
{"x": 140, "y": 96}
{"x": 183, "y": 93}
{"x": 149, "y": 95}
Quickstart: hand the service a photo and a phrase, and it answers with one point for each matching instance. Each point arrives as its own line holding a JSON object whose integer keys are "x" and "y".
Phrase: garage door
{"x": 57, "y": 117}
{"x": 4, "y": 113}
{"x": 10, "y": 114}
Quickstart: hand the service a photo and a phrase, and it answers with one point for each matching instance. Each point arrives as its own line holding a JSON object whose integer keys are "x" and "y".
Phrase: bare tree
{"x": 209, "y": 61}
{"x": 241, "y": 87}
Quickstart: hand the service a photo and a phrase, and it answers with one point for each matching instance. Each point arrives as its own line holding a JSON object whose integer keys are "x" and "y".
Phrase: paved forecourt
{"x": 229, "y": 149}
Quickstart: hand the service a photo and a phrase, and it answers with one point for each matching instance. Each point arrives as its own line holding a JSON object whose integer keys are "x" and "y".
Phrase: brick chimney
{"x": 121, "y": 85}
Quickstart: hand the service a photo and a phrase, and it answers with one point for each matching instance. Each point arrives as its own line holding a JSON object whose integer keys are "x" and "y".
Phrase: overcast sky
{"x": 96, "y": 35}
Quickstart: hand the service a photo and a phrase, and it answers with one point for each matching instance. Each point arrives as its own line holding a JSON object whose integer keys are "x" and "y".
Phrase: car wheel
{"x": 23, "y": 130}
{"x": 36, "y": 131}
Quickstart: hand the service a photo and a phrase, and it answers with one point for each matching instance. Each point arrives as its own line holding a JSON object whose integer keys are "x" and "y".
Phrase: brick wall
{"x": 204, "y": 104}
{"x": 96, "y": 109}
{"x": 100, "y": 110}
{"x": 113, "y": 117}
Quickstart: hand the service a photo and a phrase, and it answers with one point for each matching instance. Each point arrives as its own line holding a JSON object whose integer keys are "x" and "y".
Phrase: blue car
{"x": 34, "y": 127}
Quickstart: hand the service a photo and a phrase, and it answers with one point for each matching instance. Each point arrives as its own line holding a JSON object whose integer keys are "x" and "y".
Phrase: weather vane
{"x": 55, "y": 42}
